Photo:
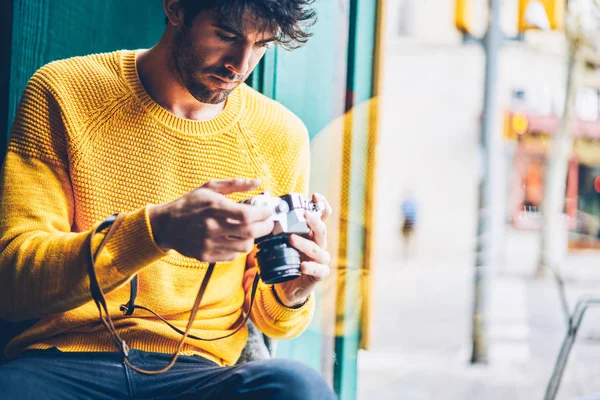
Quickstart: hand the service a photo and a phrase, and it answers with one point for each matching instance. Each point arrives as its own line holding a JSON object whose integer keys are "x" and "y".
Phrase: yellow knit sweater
{"x": 88, "y": 141}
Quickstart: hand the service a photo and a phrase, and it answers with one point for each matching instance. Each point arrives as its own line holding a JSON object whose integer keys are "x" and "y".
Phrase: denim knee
{"x": 288, "y": 380}
{"x": 14, "y": 385}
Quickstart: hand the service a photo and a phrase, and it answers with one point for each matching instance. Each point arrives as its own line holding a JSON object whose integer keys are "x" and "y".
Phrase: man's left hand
{"x": 314, "y": 258}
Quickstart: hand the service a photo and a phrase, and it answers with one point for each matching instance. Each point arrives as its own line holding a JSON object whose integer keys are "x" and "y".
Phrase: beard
{"x": 189, "y": 69}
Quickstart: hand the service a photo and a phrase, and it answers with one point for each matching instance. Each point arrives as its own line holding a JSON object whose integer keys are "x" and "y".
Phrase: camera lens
{"x": 277, "y": 260}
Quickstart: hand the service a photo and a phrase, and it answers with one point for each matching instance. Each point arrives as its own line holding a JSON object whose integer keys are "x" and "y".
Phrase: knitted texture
{"x": 88, "y": 141}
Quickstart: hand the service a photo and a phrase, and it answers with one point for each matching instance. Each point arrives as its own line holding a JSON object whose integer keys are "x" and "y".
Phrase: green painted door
{"x": 311, "y": 81}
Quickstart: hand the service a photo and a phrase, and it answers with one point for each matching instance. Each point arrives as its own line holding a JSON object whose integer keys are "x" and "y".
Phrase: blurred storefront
{"x": 530, "y": 135}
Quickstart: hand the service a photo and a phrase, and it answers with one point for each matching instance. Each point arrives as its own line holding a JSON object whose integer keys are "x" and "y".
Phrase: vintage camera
{"x": 277, "y": 259}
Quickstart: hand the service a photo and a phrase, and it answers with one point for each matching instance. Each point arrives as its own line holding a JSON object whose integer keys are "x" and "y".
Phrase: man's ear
{"x": 174, "y": 12}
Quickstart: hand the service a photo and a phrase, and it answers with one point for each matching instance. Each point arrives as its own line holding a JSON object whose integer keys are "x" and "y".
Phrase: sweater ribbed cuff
{"x": 133, "y": 246}
{"x": 277, "y": 311}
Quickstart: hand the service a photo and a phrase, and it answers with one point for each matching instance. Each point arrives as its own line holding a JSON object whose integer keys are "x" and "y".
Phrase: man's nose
{"x": 239, "y": 62}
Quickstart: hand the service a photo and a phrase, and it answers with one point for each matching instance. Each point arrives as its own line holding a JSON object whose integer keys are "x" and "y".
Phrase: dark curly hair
{"x": 289, "y": 20}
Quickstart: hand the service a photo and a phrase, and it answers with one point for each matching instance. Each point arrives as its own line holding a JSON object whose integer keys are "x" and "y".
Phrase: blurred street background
{"x": 423, "y": 298}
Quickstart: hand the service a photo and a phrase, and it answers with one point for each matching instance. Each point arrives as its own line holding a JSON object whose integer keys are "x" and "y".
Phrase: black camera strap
{"x": 131, "y": 306}
{"x": 112, "y": 223}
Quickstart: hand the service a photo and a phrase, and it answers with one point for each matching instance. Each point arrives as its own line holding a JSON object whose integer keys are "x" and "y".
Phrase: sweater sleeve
{"x": 43, "y": 264}
{"x": 270, "y": 316}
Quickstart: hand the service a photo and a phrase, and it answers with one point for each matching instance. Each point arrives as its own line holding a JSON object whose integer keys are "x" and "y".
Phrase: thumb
{"x": 228, "y": 186}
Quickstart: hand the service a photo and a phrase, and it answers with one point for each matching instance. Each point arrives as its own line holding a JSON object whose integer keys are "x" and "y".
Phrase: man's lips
{"x": 224, "y": 83}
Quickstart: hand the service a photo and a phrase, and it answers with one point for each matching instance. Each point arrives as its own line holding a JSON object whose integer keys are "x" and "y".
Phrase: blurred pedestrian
{"x": 409, "y": 216}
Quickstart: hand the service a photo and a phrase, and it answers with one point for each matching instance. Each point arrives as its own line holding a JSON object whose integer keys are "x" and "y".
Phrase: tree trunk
{"x": 556, "y": 172}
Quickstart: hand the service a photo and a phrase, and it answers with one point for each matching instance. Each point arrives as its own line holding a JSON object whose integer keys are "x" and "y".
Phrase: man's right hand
{"x": 205, "y": 225}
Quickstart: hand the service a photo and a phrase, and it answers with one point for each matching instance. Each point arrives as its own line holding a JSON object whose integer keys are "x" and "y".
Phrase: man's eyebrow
{"x": 228, "y": 28}
{"x": 265, "y": 41}
{"x": 233, "y": 31}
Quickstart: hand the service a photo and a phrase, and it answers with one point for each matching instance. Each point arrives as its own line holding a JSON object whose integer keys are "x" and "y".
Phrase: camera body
{"x": 277, "y": 259}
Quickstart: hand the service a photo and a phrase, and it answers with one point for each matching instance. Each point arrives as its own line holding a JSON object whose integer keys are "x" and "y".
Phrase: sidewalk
{"x": 421, "y": 338}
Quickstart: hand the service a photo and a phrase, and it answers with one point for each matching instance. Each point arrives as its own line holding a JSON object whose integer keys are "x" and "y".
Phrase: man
{"x": 172, "y": 139}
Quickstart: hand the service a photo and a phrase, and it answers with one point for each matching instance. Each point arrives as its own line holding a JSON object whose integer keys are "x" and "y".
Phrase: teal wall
{"x": 48, "y": 30}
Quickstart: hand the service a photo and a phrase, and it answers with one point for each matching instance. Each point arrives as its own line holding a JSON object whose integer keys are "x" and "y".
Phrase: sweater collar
{"x": 222, "y": 122}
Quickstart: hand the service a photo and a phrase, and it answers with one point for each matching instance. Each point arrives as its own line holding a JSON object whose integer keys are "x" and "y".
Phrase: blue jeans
{"x": 51, "y": 374}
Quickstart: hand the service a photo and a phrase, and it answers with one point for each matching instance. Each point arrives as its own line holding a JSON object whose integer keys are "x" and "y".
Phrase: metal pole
{"x": 489, "y": 222}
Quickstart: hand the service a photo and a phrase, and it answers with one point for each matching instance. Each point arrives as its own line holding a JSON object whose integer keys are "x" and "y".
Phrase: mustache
{"x": 226, "y": 74}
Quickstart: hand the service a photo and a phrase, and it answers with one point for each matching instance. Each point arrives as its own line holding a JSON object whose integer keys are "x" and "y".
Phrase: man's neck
{"x": 165, "y": 88}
